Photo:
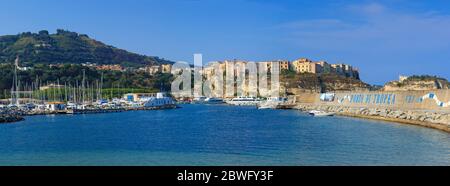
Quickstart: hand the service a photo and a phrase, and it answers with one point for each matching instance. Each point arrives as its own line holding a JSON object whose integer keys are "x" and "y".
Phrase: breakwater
{"x": 14, "y": 115}
{"x": 424, "y": 108}
{"x": 9, "y": 118}
{"x": 429, "y": 119}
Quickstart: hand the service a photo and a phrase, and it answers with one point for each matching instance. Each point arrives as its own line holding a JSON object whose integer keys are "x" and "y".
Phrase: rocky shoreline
{"x": 431, "y": 119}
{"x": 8, "y": 118}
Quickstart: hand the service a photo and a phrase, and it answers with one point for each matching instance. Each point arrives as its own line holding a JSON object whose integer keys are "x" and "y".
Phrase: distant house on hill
{"x": 51, "y": 86}
{"x": 110, "y": 67}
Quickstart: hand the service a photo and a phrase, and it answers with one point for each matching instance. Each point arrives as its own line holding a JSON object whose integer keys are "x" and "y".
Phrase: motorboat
{"x": 214, "y": 101}
{"x": 199, "y": 100}
{"x": 244, "y": 101}
{"x": 318, "y": 113}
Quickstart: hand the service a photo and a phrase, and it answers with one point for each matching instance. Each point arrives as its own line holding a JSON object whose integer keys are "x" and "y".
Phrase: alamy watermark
{"x": 226, "y": 79}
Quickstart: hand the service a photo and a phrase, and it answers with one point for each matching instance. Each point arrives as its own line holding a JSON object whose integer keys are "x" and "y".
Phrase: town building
{"x": 402, "y": 78}
{"x": 88, "y": 64}
{"x": 237, "y": 65}
{"x": 338, "y": 69}
{"x": 324, "y": 67}
{"x": 166, "y": 68}
{"x": 154, "y": 69}
{"x": 110, "y": 67}
{"x": 51, "y": 86}
{"x": 283, "y": 64}
{"x": 304, "y": 65}
{"x": 345, "y": 70}
{"x": 136, "y": 97}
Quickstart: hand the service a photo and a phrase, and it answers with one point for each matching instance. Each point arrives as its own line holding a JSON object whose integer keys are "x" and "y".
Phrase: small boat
{"x": 272, "y": 103}
{"x": 199, "y": 100}
{"x": 317, "y": 113}
{"x": 214, "y": 101}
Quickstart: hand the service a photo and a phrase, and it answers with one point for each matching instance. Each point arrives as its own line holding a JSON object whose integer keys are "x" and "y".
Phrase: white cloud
{"x": 368, "y": 9}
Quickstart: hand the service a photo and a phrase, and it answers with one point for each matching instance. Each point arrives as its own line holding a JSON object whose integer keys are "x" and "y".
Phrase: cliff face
{"x": 298, "y": 83}
{"x": 418, "y": 83}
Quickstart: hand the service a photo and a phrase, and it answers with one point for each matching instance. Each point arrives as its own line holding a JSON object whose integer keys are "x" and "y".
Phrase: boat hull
{"x": 326, "y": 114}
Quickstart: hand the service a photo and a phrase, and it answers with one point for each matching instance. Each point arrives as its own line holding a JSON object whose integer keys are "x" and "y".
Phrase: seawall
{"x": 425, "y": 108}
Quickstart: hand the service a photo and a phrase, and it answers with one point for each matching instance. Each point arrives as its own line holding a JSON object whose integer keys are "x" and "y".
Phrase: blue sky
{"x": 382, "y": 38}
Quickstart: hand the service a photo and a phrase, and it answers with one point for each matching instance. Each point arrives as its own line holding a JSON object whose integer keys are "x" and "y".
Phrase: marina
{"x": 85, "y": 97}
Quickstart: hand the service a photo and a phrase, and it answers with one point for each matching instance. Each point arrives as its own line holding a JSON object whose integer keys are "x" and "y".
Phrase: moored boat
{"x": 244, "y": 101}
{"x": 214, "y": 101}
{"x": 318, "y": 113}
{"x": 160, "y": 101}
{"x": 199, "y": 100}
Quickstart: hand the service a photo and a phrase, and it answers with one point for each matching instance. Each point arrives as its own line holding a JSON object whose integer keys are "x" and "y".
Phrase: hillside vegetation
{"x": 66, "y": 47}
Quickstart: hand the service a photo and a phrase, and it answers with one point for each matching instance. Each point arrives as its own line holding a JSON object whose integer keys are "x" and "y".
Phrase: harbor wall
{"x": 433, "y": 100}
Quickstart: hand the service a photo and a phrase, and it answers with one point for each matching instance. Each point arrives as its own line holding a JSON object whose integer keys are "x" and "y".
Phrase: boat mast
{"x": 82, "y": 86}
{"x": 101, "y": 87}
{"x": 16, "y": 82}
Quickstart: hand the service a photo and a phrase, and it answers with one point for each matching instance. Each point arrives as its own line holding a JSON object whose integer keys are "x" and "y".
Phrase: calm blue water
{"x": 218, "y": 135}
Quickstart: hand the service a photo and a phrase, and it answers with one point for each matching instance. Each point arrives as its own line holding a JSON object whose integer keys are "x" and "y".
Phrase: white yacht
{"x": 272, "y": 103}
{"x": 244, "y": 101}
{"x": 71, "y": 105}
{"x": 160, "y": 101}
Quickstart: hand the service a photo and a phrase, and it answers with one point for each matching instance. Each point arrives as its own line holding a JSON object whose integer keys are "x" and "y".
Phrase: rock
{"x": 7, "y": 118}
{"x": 403, "y": 116}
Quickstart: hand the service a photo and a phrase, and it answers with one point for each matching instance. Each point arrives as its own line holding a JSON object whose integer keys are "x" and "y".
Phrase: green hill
{"x": 67, "y": 47}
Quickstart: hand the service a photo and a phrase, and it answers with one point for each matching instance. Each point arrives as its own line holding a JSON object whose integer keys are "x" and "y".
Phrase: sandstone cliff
{"x": 298, "y": 83}
{"x": 418, "y": 83}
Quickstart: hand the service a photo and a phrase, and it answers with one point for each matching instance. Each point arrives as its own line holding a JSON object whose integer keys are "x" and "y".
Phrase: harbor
{"x": 218, "y": 134}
